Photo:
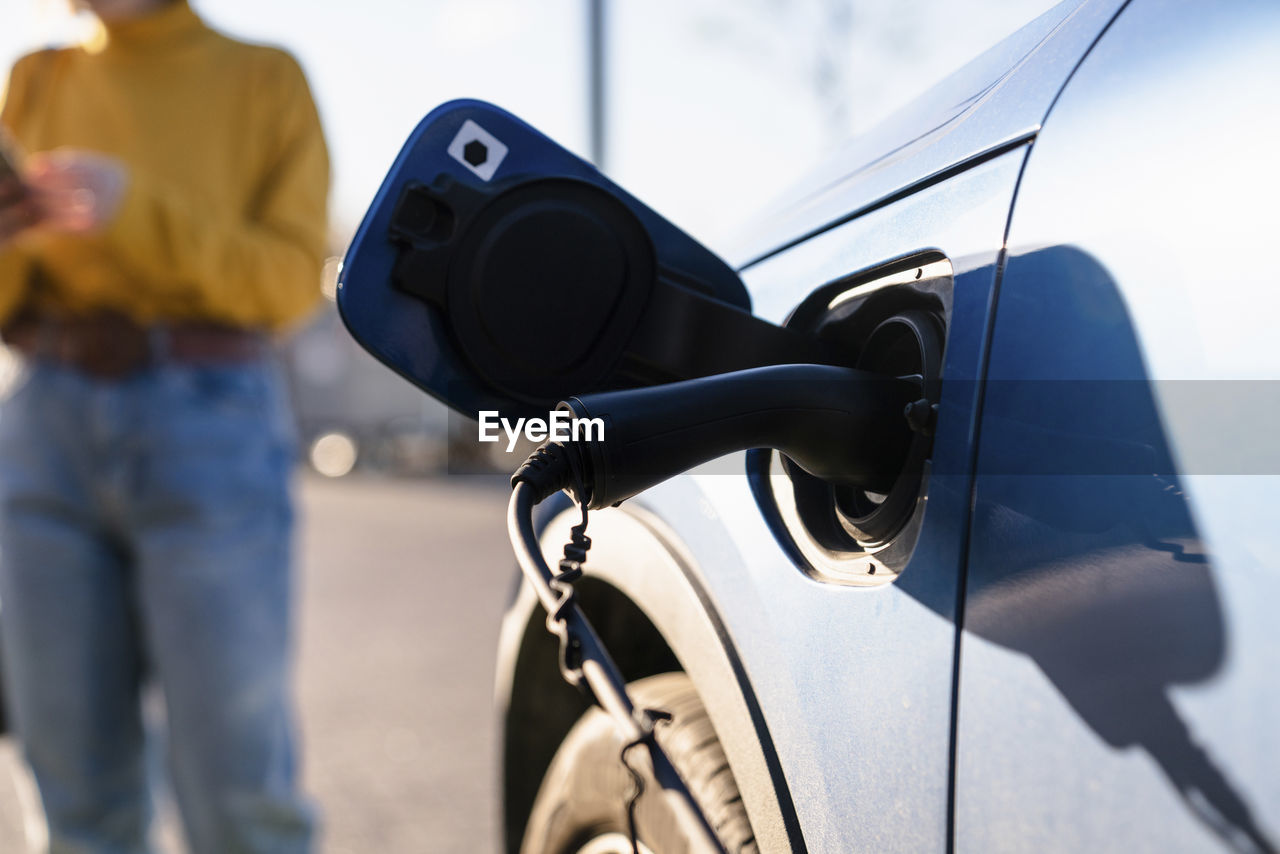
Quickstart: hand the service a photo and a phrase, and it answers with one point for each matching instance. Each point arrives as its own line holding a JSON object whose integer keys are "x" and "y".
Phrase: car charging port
{"x": 906, "y": 345}
{"x": 890, "y": 321}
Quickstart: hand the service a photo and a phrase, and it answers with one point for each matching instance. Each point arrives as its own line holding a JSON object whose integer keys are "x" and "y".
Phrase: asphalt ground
{"x": 402, "y": 587}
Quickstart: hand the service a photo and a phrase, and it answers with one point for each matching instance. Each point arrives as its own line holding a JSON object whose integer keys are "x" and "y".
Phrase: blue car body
{"x": 1078, "y": 648}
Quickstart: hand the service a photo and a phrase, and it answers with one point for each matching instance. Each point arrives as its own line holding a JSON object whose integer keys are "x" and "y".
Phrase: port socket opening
{"x": 891, "y": 319}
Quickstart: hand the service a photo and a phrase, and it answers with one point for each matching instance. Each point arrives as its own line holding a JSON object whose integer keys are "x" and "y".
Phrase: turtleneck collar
{"x": 169, "y": 26}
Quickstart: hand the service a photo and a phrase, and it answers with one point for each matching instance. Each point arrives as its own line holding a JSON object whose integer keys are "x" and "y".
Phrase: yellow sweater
{"x": 224, "y": 217}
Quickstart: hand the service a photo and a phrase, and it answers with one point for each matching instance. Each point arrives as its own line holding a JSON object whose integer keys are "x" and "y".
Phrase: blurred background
{"x": 704, "y": 109}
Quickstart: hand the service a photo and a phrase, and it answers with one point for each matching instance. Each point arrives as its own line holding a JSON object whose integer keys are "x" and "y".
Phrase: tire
{"x": 582, "y": 803}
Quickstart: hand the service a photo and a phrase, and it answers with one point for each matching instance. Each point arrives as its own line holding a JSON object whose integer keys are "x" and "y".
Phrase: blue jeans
{"x": 145, "y": 529}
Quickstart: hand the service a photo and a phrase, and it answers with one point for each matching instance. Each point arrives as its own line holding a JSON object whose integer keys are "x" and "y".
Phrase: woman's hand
{"x": 76, "y": 191}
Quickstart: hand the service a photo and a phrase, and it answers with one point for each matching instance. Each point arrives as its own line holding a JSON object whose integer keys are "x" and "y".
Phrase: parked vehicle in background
{"x": 1054, "y": 633}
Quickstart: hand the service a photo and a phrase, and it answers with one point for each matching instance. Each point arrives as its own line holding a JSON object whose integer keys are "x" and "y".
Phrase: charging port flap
{"x": 497, "y": 270}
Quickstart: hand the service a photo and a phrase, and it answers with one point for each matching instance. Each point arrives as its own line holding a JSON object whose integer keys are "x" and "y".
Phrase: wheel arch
{"x": 643, "y": 598}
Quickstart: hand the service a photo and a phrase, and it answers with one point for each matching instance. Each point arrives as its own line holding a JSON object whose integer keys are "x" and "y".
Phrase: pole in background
{"x": 596, "y": 82}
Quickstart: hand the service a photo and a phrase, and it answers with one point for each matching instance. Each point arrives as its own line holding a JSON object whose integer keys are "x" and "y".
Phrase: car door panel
{"x": 1119, "y": 650}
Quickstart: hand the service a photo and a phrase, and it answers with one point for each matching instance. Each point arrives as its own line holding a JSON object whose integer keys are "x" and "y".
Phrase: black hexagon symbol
{"x": 475, "y": 152}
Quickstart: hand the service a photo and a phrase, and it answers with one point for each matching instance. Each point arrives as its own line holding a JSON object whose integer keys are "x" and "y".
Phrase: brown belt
{"x": 110, "y": 346}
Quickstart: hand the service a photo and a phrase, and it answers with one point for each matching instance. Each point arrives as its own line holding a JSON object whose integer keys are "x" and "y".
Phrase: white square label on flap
{"x": 477, "y": 149}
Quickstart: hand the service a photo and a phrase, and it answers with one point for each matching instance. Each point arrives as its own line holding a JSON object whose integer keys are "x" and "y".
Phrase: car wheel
{"x": 581, "y": 807}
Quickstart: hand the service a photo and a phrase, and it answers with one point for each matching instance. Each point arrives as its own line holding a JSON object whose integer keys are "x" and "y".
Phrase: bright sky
{"x": 715, "y": 105}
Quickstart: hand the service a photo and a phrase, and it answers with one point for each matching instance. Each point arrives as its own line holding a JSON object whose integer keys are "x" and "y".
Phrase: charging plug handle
{"x": 840, "y": 424}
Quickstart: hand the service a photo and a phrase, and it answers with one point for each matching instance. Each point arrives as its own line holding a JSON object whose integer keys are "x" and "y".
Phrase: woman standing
{"x": 171, "y": 217}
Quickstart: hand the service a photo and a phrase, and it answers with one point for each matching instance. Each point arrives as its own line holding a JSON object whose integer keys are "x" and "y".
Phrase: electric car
{"x": 1053, "y": 628}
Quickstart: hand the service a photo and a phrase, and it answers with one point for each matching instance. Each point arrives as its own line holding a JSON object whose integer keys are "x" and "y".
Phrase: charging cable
{"x": 840, "y": 424}
{"x": 585, "y": 662}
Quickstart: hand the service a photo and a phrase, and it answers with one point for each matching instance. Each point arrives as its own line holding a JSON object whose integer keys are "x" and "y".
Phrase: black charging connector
{"x": 843, "y": 425}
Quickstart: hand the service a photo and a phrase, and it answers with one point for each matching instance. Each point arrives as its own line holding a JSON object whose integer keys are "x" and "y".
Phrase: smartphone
{"x": 12, "y": 188}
